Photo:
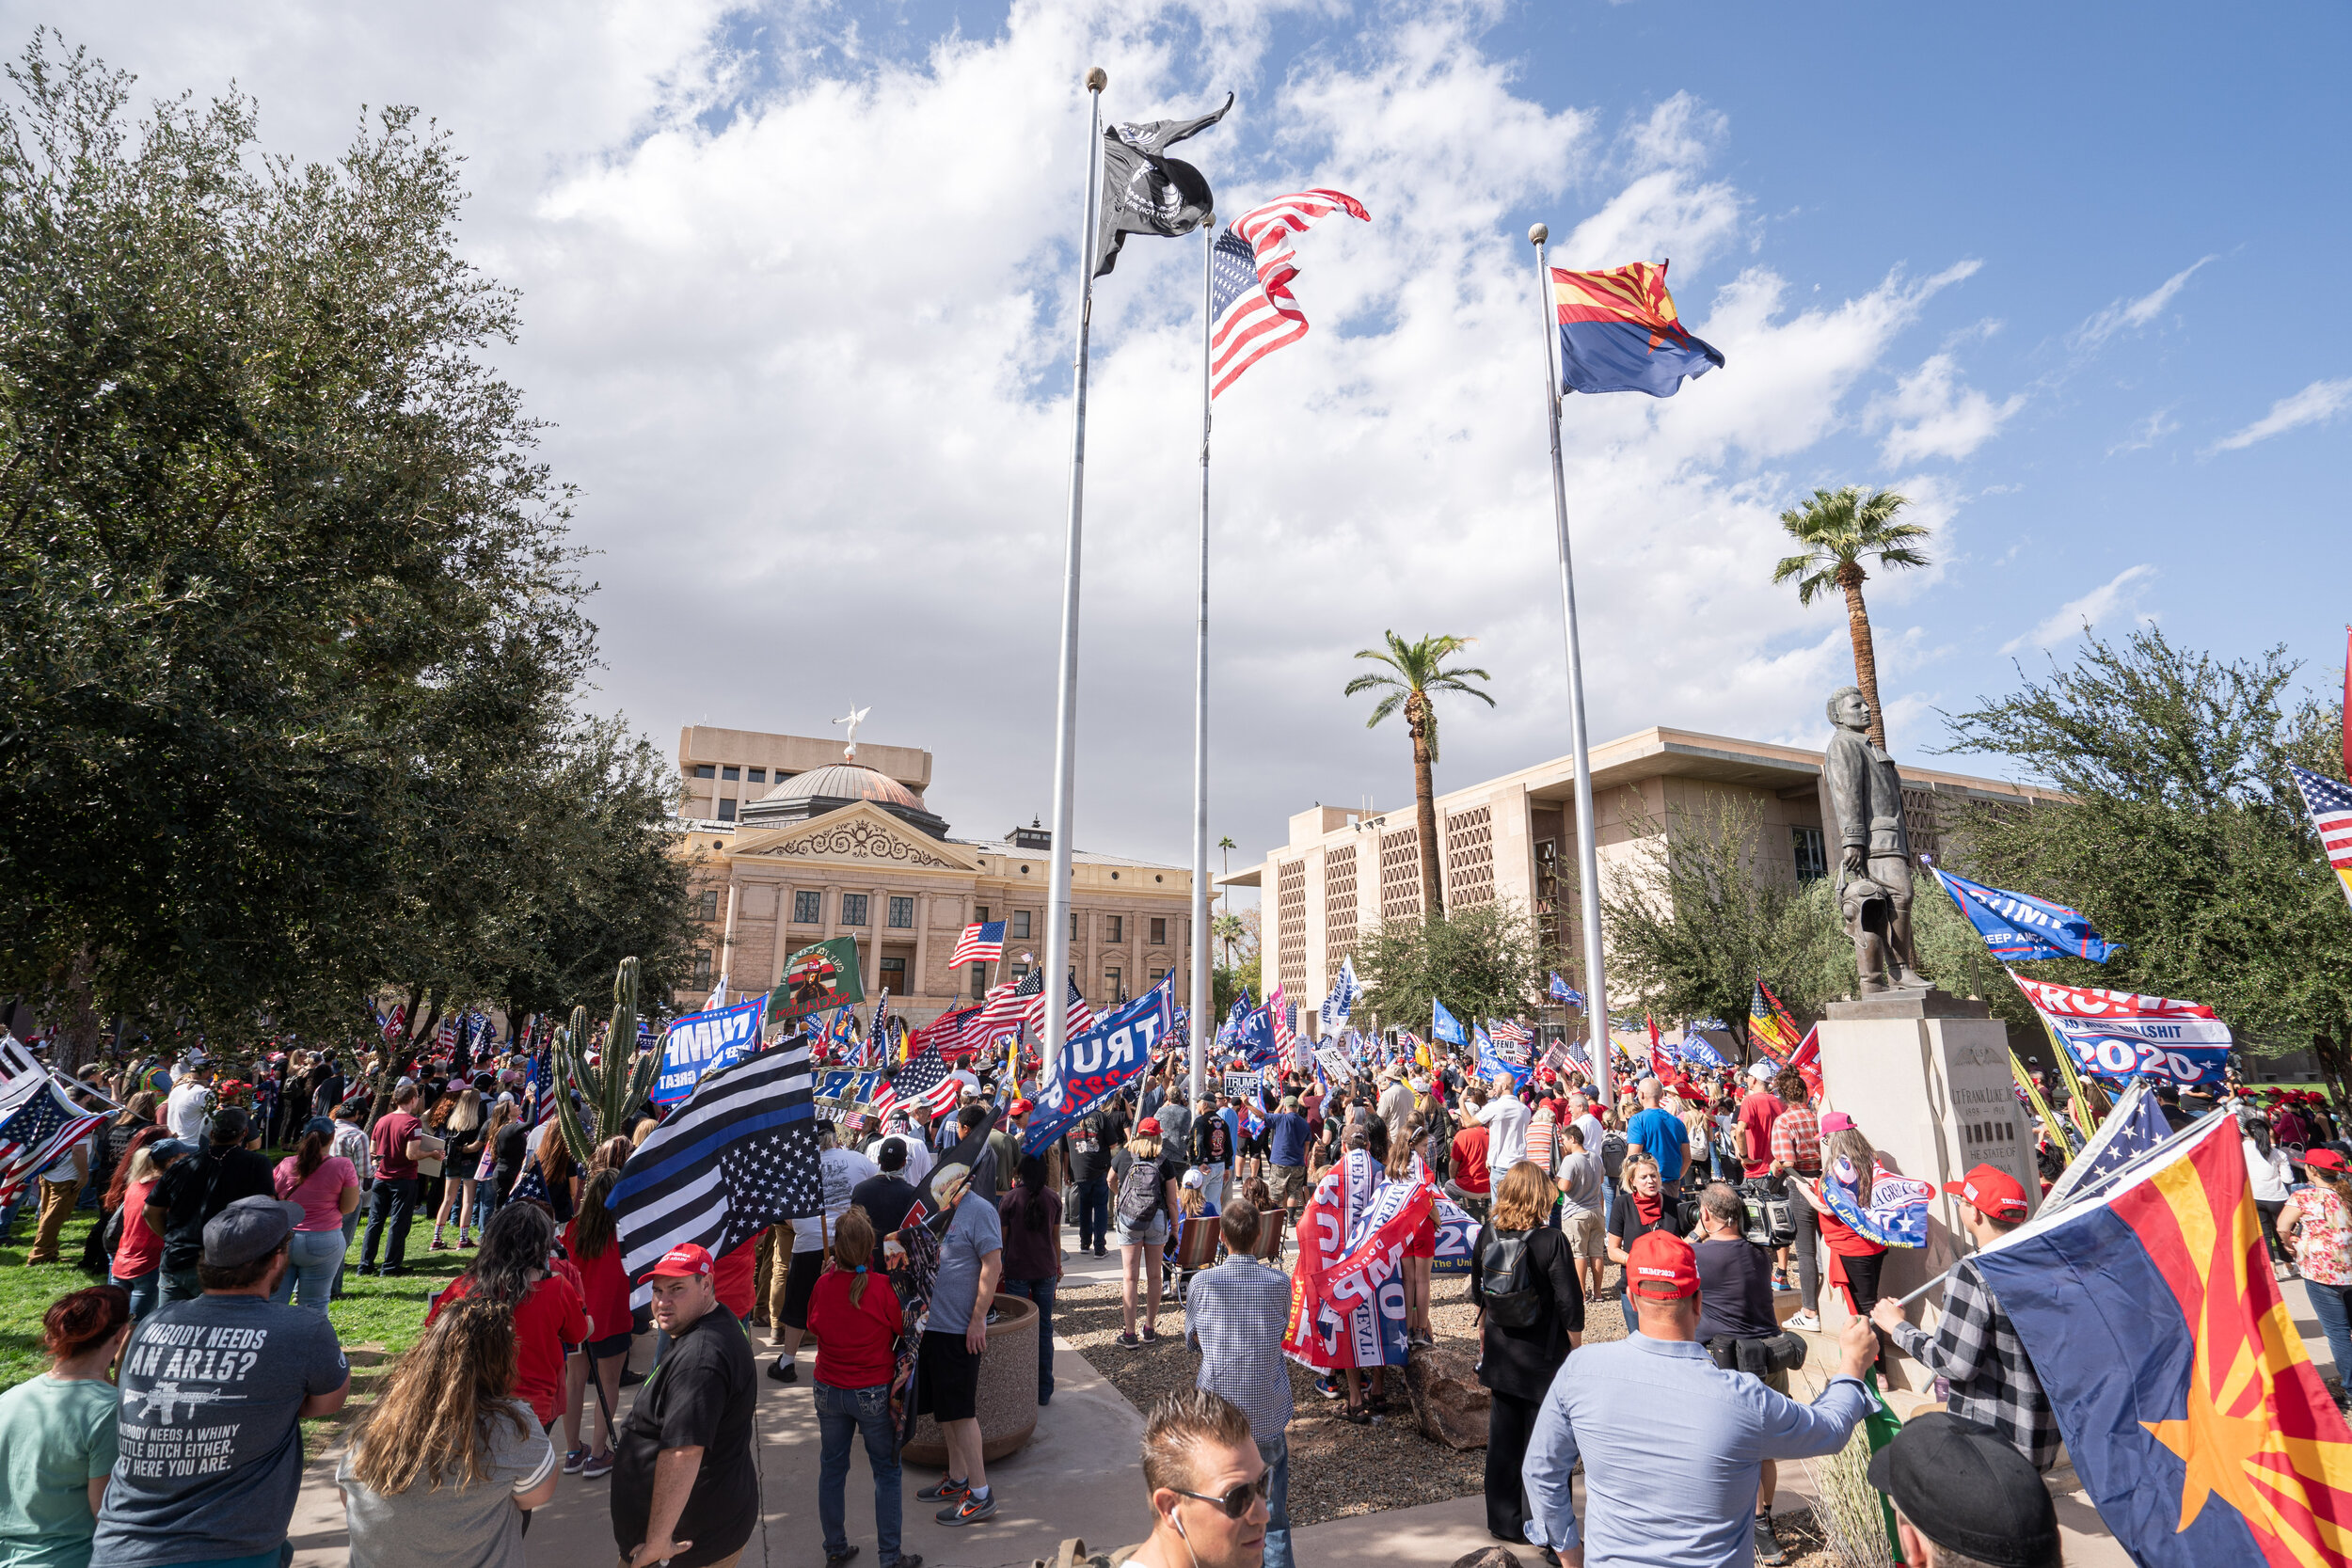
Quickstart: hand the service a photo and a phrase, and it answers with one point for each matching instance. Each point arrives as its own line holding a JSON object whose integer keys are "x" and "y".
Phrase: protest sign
{"x": 1244, "y": 1085}
{"x": 1336, "y": 1066}
{"x": 704, "y": 1042}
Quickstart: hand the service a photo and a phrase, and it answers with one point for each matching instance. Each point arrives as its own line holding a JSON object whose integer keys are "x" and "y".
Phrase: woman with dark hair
{"x": 857, "y": 1324}
{"x": 514, "y": 1267}
{"x": 328, "y": 1190}
{"x": 58, "y": 1432}
{"x": 489, "y": 1191}
{"x": 594, "y": 1245}
{"x": 1531, "y": 1314}
{"x": 1031, "y": 1217}
{"x": 449, "y": 1455}
{"x": 137, "y": 1266}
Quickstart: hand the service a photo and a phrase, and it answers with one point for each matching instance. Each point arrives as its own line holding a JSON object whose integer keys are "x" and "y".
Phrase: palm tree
{"x": 1837, "y": 528}
{"x": 1227, "y": 929}
{"x": 1416, "y": 675}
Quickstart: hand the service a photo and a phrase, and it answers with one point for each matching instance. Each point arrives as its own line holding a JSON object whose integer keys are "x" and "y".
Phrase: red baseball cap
{"x": 1995, "y": 1192}
{"x": 2325, "y": 1159}
{"x": 1149, "y": 1127}
{"x": 683, "y": 1262}
{"x": 1020, "y": 1108}
{"x": 1662, "y": 1265}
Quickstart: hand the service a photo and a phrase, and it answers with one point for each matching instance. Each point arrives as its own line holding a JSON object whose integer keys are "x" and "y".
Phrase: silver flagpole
{"x": 1055, "y": 998}
{"x": 1200, "y": 1003}
{"x": 1587, "y": 857}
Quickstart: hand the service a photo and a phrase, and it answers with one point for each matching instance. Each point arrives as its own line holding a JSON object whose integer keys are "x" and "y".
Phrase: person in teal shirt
{"x": 57, "y": 1434}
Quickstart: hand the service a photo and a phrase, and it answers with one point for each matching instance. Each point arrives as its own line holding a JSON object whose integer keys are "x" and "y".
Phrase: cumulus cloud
{"x": 799, "y": 291}
{"x": 1932, "y": 413}
{"x": 2316, "y": 404}
{"x": 2118, "y": 595}
{"x": 2134, "y": 313}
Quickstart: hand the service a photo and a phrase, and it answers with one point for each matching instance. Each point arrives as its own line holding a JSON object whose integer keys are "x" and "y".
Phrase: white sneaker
{"x": 1804, "y": 1323}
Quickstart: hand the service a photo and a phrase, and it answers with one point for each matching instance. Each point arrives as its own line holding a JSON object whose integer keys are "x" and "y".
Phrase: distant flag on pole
{"x": 1445, "y": 1026}
{"x": 1619, "y": 333}
{"x": 1342, "y": 1001}
{"x": 983, "y": 942}
{"x": 1250, "y": 304}
{"x": 2330, "y": 805}
{"x": 1564, "y": 993}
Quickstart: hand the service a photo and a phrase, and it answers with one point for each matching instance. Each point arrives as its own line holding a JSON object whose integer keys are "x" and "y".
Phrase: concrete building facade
{"x": 1341, "y": 872}
{"x": 847, "y": 846}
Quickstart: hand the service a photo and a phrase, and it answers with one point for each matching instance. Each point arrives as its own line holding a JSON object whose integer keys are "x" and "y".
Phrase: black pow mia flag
{"x": 1144, "y": 191}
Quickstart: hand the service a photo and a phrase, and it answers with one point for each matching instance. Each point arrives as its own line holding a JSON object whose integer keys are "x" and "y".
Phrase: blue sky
{"x": 797, "y": 288}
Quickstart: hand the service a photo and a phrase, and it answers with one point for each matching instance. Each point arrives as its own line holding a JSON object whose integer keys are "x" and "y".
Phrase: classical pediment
{"x": 860, "y": 832}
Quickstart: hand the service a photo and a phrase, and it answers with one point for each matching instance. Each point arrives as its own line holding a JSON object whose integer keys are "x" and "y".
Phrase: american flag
{"x": 875, "y": 1052}
{"x": 2134, "y": 1126}
{"x": 1022, "y": 1004}
{"x": 954, "y": 1035}
{"x": 37, "y": 1124}
{"x": 982, "y": 941}
{"x": 738, "y": 1156}
{"x": 1250, "y": 269}
{"x": 2330, "y": 806}
{"x": 1510, "y": 1032}
{"x": 925, "y": 1083}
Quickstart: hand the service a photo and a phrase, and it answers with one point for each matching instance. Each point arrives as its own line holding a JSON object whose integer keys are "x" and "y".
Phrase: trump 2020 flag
{"x": 2018, "y": 925}
{"x": 2120, "y": 1036}
{"x": 1619, "y": 332}
{"x": 1564, "y": 993}
{"x": 1444, "y": 1026}
{"x": 2191, "y": 1411}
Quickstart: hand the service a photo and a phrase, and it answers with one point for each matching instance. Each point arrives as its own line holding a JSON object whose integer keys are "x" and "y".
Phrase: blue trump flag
{"x": 2019, "y": 926}
{"x": 700, "y": 1043}
{"x": 1564, "y": 993}
{"x": 1098, "y": 1062}
{"x": 1444, "y": 1026}
{"x": 1492, "y": 1064}
{"x": 1254, "y": 1039}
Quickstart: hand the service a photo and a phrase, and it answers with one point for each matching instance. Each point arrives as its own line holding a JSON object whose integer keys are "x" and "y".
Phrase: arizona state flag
{"x": 1619, "y": 333}
{"x": 2193, "y": 1414}
{"x": 1770, "y": 1029}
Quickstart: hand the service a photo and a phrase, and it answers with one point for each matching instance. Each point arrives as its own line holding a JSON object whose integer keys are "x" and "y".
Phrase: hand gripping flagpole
{"x": 1201, "y": 1007}
{"x": 1066, "y": 701}
{"x": 1588, "y": 858}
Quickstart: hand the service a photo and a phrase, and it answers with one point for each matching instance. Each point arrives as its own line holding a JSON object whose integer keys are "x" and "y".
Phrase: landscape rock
{"x": 1449, "y": 1403}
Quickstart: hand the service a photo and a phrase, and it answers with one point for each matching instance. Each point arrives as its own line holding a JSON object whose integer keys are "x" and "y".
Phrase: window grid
{"x": 1400, "y": 874}
{"x": 853, "y": 909}
{"x": 901, "y": 913}
{"x": 1020, "y": 924}
{"x": 808, "y": 907}
{"x": 1291, "y": 925}
{"x": 1470, "y": 857}
{"x": 1117, "y": 928}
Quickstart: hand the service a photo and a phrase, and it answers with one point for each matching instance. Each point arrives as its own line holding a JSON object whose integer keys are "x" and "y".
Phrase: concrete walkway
{"x": 1081, "y": 1476}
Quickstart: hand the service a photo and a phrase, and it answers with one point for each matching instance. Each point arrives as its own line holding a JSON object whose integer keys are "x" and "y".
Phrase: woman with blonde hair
{"x": 1531, "y": 1314}
{"x": 1421, "y": 1249}
{"x": 449, "y": 1455}
{"x": 857, "y": 1322}
{"x": 462, "y": 1126}
{"x": 1147, "y": 1197}
{"x": 1643, "y": 1207}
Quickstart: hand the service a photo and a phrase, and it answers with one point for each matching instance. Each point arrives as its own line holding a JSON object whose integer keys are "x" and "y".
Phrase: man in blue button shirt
{"x": 1672, "y": 1446}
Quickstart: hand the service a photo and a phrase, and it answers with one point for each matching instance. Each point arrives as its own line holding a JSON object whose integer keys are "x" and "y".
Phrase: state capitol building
{"x": 795, "y": 839}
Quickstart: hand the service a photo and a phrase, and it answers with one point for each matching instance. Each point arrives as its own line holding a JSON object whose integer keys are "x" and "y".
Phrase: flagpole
{"x": 1066, "y": 698}
{"x": 1587, "y": 855}
{"x": 1201, "y": 1007}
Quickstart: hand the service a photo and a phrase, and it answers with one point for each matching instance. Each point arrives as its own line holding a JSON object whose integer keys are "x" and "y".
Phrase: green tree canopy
{"x": 2185, "y": 839}
{"x": 1484, "y": 961}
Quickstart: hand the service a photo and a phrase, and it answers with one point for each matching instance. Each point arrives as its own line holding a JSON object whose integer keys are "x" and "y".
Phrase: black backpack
{"x": 1140, "y": 1195}
{"x": 1506, "y": 1283}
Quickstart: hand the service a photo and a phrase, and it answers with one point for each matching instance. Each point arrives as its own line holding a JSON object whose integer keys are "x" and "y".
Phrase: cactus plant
{"x": 614, "y": 1089}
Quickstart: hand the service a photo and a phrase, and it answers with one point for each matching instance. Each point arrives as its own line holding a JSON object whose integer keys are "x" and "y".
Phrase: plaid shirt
{"x": 1235, "y": 1314}
{"x": 1976, "y": 1350}
{"x": 1797, "y": 1139}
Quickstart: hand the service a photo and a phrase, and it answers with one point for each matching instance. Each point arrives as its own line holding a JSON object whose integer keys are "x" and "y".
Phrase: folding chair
{"x": 1196, "y": 1249}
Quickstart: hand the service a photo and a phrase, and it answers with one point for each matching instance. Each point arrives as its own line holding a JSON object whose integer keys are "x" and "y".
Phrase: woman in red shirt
{"x": 595, "y": 1247}
{"x": 140, "y": 1256}
{"x": 514, "y": 1266}
{"x": 855, "y": 1320}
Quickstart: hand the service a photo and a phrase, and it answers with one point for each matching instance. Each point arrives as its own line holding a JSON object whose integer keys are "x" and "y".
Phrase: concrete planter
{"x": 1006, "y": 1399}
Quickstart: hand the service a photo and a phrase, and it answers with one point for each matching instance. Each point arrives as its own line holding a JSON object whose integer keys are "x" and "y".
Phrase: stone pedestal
{"x": 1006, "y": 1399}
{"x": 1926, "y": 1077}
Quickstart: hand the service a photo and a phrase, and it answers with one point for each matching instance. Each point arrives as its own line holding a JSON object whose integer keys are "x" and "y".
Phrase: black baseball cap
{"x": 1966, "y": 1489}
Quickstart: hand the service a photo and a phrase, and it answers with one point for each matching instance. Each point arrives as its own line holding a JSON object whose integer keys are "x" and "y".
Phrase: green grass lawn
{"x": 387, "y": 1312}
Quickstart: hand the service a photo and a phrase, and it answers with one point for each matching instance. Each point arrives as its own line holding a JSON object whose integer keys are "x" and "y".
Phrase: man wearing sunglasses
{"x": 1208, "y": 1485}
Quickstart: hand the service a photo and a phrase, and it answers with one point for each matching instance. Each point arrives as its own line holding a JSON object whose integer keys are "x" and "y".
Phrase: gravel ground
{"x": 1337, "y": 1469}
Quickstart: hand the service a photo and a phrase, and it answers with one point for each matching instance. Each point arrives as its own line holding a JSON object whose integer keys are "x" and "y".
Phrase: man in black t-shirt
{"x": 198, "y": 1188}
{"x": 1736, "y": 1303}
{"x": 684, "y": 1490}
{"x": 889, "y": 1196}
{"x": 1090, "y": 1146}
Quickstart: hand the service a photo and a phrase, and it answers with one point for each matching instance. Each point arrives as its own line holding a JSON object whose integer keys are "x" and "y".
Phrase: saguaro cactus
{"x": 613, "y": 1090}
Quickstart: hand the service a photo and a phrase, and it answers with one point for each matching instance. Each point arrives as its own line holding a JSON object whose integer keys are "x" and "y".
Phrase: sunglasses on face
{"x": 1237, "y": 1499}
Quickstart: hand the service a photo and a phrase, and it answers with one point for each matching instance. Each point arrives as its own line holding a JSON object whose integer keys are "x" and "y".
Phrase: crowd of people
{"x": 1694, "y": 1208}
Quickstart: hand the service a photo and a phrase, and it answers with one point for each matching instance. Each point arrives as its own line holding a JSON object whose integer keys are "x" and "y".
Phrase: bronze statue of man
{"x": 1862, "y": 810}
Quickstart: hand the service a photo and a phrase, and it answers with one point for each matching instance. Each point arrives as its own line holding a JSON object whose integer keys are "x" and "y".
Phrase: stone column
{"x": 877, "y": 922}
{"x": 921, "y": 984}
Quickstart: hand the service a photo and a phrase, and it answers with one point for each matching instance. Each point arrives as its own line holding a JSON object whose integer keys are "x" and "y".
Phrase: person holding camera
{"x": 1737, "y": 1324}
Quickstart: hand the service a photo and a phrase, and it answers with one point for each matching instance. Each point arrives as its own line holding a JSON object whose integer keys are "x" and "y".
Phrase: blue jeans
{"x": 1094, "y": 1213}
{"x": 393, "y": 1201}
{"x": 313, "y": 1258}
{"x": 145, "y": 1290}
{"x": 1041, "y": 1293}
{"x": 840, "y": 1413}
{"x": 1276, "y": 1452}
{"x": 2328, "y": 1306}
{"x": 351, "y": 1229}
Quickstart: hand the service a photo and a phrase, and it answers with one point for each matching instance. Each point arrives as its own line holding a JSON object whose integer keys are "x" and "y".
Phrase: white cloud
{"x": 2134, "y": 312}
{"x": 2118, "y": 595}
{"x": 2146, "y": 433}
{"x": 1932, "y": 413}
{"x": 798, "y": 297}
{"x": 2316, "y": 404}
